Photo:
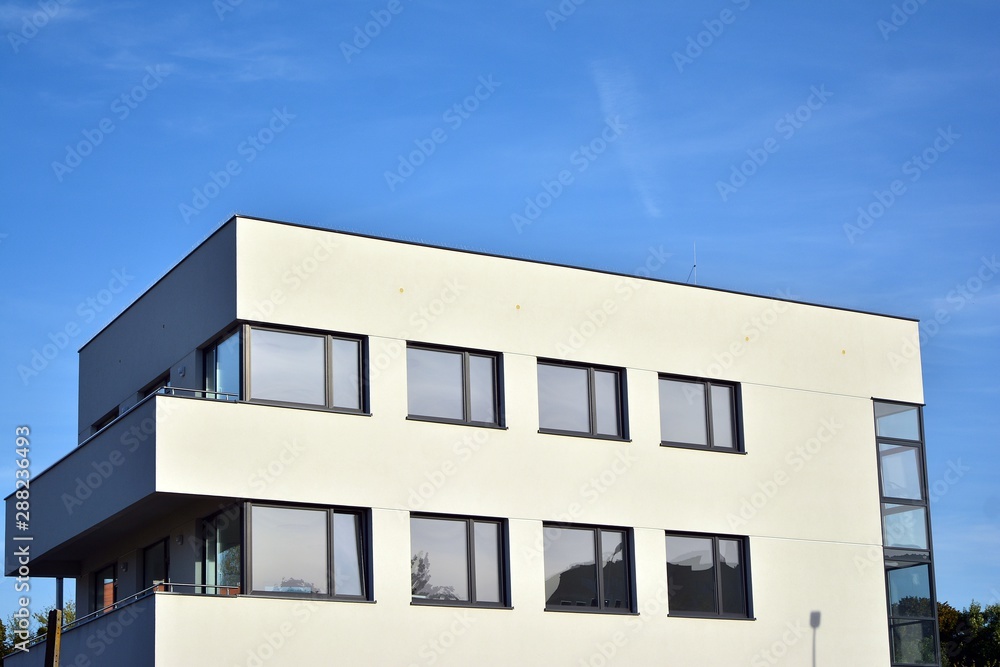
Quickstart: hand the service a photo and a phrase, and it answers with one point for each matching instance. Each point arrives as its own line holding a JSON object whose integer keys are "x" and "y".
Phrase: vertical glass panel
{"x": 563, "y": 398}
{"x": 287, "y": 367}
{"x": 222, "y": 371}
{"x": 682, "y": 412}
{"x": 904, "y": 526}
{"x": 223, "y": 552}
{"x": 154, "y": 564}
{"x": 614, "y": 570}
{"x": 733, "y": 579}
{"x": 289, "y": 549}
{"x": 897, "y": 421}
{"x": 910, "y": 591}
{"x": 482, "y": 388}
{"x": 347, "y": 563}
{"x": 104, "y": 588}
{"x": 439, "y": 559}
{"x": 434, "y": 382}
{"x": 722, "y": 416}
{"x": 913, "y": 642}
{"x": 691, "y": 574}
{"x": 347, "y": 374}
{"x": 901, "y": 473}
{"x": 487, "y": 540}
{"x": 606, "y": 400}
{"x": 570, "y": 570}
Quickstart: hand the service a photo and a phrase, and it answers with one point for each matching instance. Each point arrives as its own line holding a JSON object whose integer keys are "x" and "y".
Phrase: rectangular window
{"x": 458, "y": 561}
{"x": 453, "y": 385}
{"x": 313, "y": 552}
{"x": 155, "y": 563}
{"x": 581, "y": 400}
{"x": 105, "y": 587}
{"x": 222, "y": 369}
{"x": 699, "y": 413}
{"x": 305, "y": 369}
{"x": 708, "y": 576}
{"x": 588, "y": 569}
{"x": 223, "y": 534}
{"x": 906, "y": 538}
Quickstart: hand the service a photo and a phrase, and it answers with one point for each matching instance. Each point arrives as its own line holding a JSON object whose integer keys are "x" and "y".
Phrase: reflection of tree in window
{"x": 420, "y": 577}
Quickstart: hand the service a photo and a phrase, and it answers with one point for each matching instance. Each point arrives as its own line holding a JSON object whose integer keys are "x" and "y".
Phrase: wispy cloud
{"x": 620, "y": 96}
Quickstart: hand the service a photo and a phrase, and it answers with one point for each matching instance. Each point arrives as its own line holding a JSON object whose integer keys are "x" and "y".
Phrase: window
{"x": 699, "y": 413}
{"x": 906, "y": 536}
{"x": 155, "y": 563}
{"x": 581, "y": 400}
{"x": 223, "y": 552}
{"x": 453, "y": 385}
{"x": 573, "y": 579}
{"x": 315, "y": 552}
{"x": 290, "y": 367}
{"x": 105, "y": 588}
{"x": 104, "y": 421}
{"x": 707, "y": 575}
{"x": 222, "y": 369}
{"x": 458, "y": 561}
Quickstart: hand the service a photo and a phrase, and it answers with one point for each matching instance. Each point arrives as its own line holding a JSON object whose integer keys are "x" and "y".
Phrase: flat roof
{"x": 388, "y": 239}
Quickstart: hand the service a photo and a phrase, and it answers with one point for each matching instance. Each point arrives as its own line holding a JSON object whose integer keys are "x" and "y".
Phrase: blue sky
{"x": 840, "y": 153}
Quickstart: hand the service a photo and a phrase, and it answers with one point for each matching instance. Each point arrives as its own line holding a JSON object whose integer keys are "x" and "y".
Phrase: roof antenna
{"x": 694, "y": 268}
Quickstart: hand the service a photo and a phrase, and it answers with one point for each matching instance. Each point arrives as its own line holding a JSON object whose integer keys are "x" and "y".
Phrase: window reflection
{"x": 287, "y": 367}
{"x": 563, "y": 398}
{"x": 434, "y": 382}
{"x": 289, "y": 548}
{"x": 222, "y": 369}
{"x": 897, "y": 421}
{"x": 223, "y": 553}
{"x": 487, "y": 538}
{"x": 346, "y": 374}
{"x": 347, "y": 559}
{"x": 904, "y": 526}
{"x": 482, "y": 388}
{"x": 682, "y": 412}
{"x": 439, "y": 559}
{"x": 722, "y": 416}
{"x": 691, "y": 574}
{"x": 570, "y": 570}
{"x": 901, "y": 475}
{"x": 910, "y": 590}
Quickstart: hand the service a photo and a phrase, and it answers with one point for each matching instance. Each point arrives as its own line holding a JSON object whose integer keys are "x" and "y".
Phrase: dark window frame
{"x": 628, "y": 558}
{"x": 621, "y": 395}
{"x": 498, "y": 386}
{"x": 736, "y": 414}
{"x": 503, "y": 545}
{"x": 744, "y": 542}
{"x": 212, "y": 588}
{"x": 99, "y": 588}
{"x": 163, "y": 542}
{"x": 245, "y": 332}
{"x": 364, "y": 546}
{"x": 896, "y": 558}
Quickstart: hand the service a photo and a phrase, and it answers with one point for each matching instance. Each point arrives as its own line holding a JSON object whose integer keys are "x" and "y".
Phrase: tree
{"x": 970, "y": 637}
{"x": 38, "y": 626}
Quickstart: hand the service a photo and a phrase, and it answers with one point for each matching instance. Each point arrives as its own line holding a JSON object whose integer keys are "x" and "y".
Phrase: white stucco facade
{"x": 803, "y": 494}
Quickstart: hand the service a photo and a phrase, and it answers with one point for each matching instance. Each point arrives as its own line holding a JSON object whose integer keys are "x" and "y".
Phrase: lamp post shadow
{"x": 814, "y": 624}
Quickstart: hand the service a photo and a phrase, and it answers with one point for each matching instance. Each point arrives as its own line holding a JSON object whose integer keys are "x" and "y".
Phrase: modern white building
{"x": 304, "y": 447}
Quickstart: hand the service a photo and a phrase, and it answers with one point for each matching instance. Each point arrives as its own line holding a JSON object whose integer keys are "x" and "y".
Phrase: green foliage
{"x": 970, "y": 637}
{"x": 38, "y": 626}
